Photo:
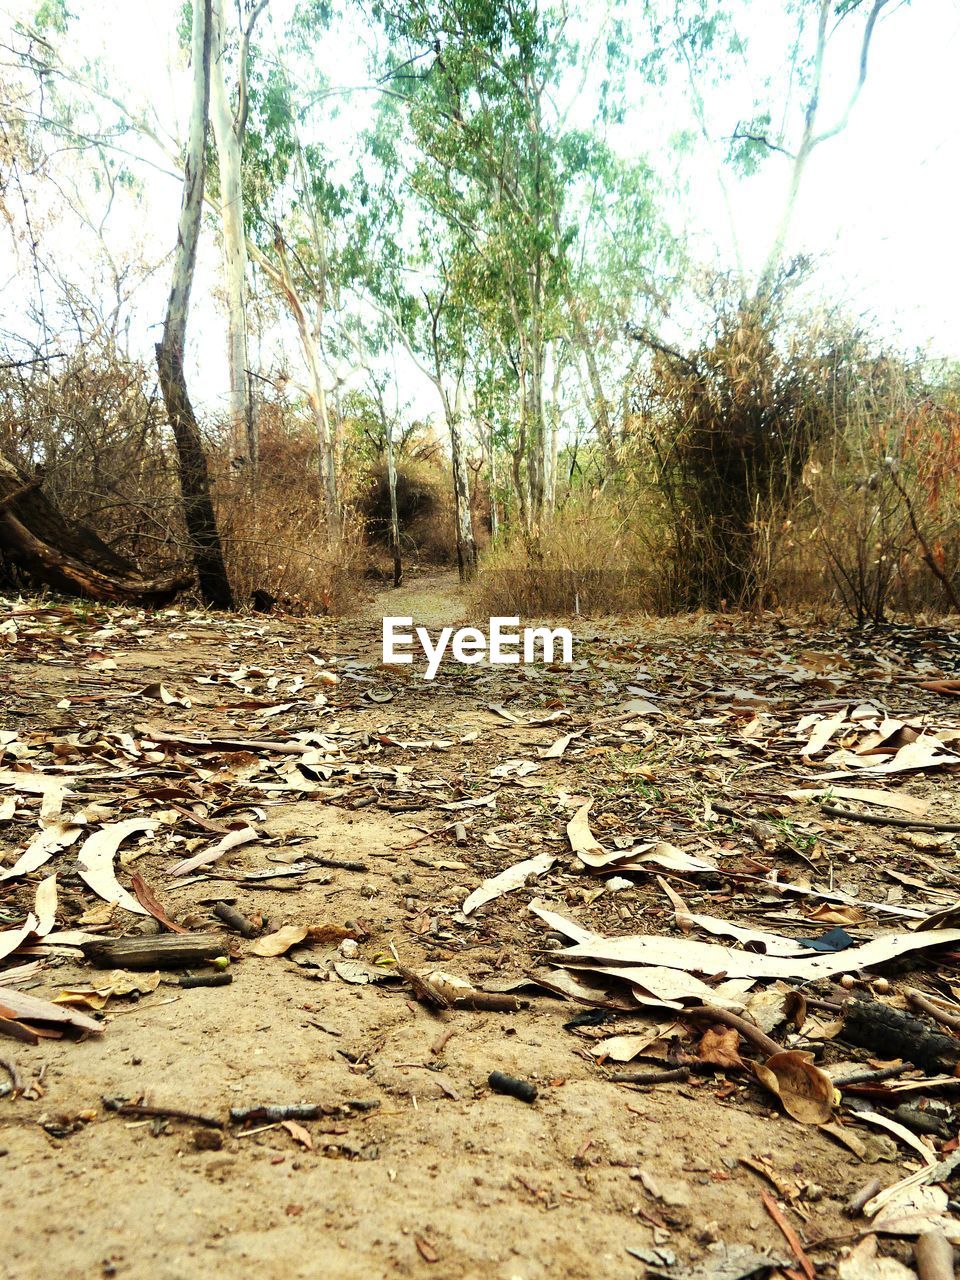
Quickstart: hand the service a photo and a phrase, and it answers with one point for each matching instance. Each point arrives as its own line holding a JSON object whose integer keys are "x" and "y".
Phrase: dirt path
{"x": 434, "y": 1174}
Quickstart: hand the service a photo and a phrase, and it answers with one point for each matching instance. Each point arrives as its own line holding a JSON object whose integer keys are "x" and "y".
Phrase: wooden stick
{"x": 883, "y": 820}
{"x": 872, "y": 1077}
{"x": 167, "y": 951}
{"x": 920, "y": 1002}
{"x": 123, "y": 1108}
{"x": 749, "y": 1032}
{"x": 235, "y": 920}
{"x": 789, "y": 1234}
{"x": 650, "y": 1077}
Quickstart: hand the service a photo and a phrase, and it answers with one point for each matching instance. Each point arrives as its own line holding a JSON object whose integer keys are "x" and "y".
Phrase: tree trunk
{"x": 466, "y": 543}
{"x": 37, "y": 540}
{"x": 492, "y": 471}
{"x": 394, "y": 519}
{"x": 317, "y": 395}
{"x": 229, "y": 139}
{"x": 194, "y": 478}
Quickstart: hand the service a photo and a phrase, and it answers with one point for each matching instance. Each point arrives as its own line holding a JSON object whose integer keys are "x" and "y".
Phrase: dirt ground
{"x": 436, "y": 1175}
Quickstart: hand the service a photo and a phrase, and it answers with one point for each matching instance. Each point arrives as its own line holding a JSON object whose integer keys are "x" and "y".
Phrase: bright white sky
{"x": 879, "y": 207}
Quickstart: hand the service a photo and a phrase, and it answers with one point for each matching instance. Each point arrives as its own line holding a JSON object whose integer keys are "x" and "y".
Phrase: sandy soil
{"x": 442, "y": 1178}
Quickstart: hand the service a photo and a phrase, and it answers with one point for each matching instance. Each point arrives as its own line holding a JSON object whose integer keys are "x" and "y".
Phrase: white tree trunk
{"x": 229, "y": 150}
{"x": 466, "y": 542}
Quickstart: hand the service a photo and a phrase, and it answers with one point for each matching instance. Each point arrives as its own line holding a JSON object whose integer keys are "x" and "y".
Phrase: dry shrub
{"x": 890, "y": 472}
{"x": 272, "y": 527}
{"x": 91, "y": 424}
{"x": 94, "y": 426}
{"x": 424, "y": 510}
{"x": 731, "y": 425}
{"x": 595, "y": 558}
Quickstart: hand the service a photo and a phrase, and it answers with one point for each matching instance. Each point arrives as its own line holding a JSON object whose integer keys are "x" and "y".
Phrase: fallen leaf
{"x": 864, "y": 1263}
{"x": 11, "y": 939}
{"x": 95, "y": 862}
{"x": 148, "y": 899}
{"x": 426, "y": 1250}
{"x": 719, "y": 1046}
{"x": 45, "y": 905}
{"x": 42, "y": 848}
{"x": 624, "y": 1048}
{"x": 514, "y": 877}
{"x": 807, "y": 1093}
{"x": 298, "y": 1133}
{"x": 232, "y": 840}
{"x": 279, "y": 943}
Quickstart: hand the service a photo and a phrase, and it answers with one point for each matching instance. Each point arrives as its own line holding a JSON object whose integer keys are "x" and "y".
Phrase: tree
{"x": 194, "y": 477}
{"x": 229, "y": 126}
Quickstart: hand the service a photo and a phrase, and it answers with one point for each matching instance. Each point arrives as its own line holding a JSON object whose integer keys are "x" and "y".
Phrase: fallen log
{"x": 41, "y": 543}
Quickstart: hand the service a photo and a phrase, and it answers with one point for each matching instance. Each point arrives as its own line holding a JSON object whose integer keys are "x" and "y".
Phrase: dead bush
{"x": 730, "y": 425}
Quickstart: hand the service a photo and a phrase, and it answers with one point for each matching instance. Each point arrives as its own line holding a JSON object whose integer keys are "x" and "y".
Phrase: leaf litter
{"x": 664, "y": 845}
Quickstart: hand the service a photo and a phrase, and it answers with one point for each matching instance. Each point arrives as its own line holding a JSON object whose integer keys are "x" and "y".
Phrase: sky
{"x": 878, "y": 209}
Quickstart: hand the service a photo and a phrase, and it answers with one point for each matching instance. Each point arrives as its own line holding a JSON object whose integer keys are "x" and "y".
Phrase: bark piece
{"x": 166, "y": 951}
{"x": 892, "y": 1034}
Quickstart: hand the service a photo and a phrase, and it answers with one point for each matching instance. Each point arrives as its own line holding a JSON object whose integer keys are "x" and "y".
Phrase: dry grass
{"x": 594, "y": 558}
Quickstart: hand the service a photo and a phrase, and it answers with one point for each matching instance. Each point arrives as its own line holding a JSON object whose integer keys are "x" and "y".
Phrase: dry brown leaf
{"x": 230, "y": 841}
{"x": 298, "y": 1133}
{"x": 11, "y": 939}
{"x": 807, "y": 1093}
{"x": 45, "y": 905}
{"x": 720, "y": 1047}
{"x": 147, "y": 898}
{"x": 829, "y": 913}
{"x": 867, "y": 795}
{"x": 34, "y": 1009}
{"x": 692, "y": 956}
{"x": 279, "y": 943}
{"x": 823, "y": 731}
{"x": 624, "y": 1048}
{"x": 426, "y": 1250}
{"x": 582, "y": 841}
{"x": 42, "y": 848}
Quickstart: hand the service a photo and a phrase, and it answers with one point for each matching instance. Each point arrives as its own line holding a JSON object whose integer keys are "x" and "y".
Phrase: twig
{"x": 791, "y": 1237}
{"x": 872, "y": 1077}
{"x": 442, "y": 1041}
{"x": 883, "y": 820}
{"x": 273, "y": 1113}
{"x": 920, "y": 1002}
{"x": 340, "y": 864}
{"x": 190, "y": 980}
{"x": 929, "y": 558}
{"x": 650, "y": 1077}
{"x": 16, "y": 1084}
{"x": 749, "y": 1032}
{"x": 123, "y": 1108}
{"x": 235, "y": 920}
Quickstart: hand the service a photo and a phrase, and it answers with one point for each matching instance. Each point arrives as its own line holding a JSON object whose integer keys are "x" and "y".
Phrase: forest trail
{"x": 432, "y": 599}
{"x": 595, "y": 1179}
